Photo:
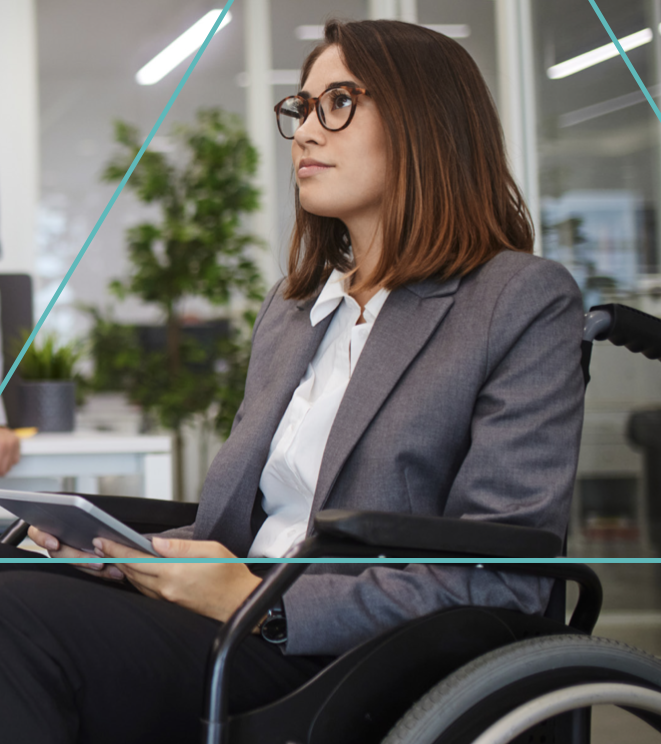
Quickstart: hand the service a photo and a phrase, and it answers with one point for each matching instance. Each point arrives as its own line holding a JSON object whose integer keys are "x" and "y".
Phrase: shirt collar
{"x": 373, "y": 307}
{"x": 334, "y": 292}
{"x": 330, "y": 297}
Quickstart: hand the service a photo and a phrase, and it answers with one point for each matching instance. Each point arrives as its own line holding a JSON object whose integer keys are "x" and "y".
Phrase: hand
{"x": 57, "y": 550}
{"x": 10, "y": 450}
{"x": 216, "y": 590}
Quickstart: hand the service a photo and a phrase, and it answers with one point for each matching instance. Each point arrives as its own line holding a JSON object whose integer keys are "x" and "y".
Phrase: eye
{"x": 339, "y": 98}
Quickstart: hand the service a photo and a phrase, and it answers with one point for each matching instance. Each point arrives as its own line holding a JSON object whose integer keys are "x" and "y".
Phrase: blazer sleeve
{"x": 519, "y": 469}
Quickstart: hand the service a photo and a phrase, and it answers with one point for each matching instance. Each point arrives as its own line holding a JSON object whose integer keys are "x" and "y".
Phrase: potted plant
{"x": 47, "y": 389}
{"x": 197, "y": 248}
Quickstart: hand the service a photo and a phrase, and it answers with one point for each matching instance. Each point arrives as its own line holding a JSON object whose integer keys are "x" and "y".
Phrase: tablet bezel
{"x": 74, "y": 520}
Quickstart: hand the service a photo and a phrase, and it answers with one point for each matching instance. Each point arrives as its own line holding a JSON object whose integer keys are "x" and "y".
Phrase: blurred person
{"x": 10, "y": 448}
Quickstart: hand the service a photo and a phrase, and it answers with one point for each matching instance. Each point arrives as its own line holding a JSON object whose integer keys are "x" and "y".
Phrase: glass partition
{"x": 599, "y": 170}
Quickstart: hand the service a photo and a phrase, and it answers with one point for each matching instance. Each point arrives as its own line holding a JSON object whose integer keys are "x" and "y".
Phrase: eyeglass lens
{"x": 333, "y": 108}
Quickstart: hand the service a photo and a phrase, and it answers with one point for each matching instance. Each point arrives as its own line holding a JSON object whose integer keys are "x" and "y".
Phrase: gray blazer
{"x": 467, "y": 401}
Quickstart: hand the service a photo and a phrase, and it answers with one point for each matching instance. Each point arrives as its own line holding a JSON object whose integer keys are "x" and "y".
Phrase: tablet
{"x": 72, "y": 519}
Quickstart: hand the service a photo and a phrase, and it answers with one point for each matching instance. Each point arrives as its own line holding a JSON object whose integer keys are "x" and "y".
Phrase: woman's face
{"x": 352, "y": 183}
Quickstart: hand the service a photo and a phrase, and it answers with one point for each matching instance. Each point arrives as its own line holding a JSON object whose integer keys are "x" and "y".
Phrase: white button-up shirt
{"x": 289, "y": 478}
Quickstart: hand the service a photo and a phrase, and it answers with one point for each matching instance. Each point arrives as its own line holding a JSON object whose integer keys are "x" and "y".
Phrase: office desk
{"x": 86, "y": 455}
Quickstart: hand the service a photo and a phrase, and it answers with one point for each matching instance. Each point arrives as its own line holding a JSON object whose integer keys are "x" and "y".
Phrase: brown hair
{"x": 451, "y": 203}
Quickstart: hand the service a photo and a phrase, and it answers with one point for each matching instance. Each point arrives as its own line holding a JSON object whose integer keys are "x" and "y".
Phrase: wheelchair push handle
{"x": 624, "y": 326}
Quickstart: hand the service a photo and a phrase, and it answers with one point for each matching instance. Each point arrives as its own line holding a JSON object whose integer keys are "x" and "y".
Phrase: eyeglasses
{"x": 335, "y": 109}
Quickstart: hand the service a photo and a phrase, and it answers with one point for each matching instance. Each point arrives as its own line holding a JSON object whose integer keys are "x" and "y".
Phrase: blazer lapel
{"x": 408, "y": 318}
{"x": 229, "y": 492}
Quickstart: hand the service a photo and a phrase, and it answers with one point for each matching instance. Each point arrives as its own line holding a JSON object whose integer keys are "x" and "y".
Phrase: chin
{"x": 318, "y": 205}
{"x": 318, "y": 209}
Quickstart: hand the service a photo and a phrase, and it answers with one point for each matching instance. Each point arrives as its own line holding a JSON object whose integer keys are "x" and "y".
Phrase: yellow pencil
{"x": 26, "y": 432}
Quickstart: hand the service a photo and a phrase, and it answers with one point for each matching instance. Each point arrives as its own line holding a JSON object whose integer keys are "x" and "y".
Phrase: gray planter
{"x": 48, "y": 404}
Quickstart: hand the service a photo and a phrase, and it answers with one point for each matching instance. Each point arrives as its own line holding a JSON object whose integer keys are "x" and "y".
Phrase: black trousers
{"x": 87, "y": 661}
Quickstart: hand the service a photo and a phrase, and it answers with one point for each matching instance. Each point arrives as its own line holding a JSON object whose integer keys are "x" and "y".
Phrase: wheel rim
{"x": 567, "y": 699}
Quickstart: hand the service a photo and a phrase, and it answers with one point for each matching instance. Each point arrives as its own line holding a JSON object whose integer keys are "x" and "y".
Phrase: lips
{"x": 310, "y": 167}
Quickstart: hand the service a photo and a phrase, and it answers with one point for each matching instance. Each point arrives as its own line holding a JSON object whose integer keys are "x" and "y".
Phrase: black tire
{"x": 466, "y": 703}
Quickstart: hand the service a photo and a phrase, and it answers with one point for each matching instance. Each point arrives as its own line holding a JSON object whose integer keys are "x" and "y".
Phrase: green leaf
{"x": 48, "y": 359}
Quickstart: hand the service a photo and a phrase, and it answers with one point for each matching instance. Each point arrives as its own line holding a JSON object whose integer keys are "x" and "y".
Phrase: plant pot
{"x": 47, "y": 404}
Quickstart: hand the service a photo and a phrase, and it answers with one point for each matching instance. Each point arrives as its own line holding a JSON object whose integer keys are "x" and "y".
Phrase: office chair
{"x": 523, "y": 679}
{"x": 16, "y": 318}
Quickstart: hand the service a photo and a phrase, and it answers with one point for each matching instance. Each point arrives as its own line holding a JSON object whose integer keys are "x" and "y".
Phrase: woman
{"x": 417, "y": 359}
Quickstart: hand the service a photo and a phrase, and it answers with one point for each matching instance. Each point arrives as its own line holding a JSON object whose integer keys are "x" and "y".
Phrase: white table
{"x": 86, "y": 455}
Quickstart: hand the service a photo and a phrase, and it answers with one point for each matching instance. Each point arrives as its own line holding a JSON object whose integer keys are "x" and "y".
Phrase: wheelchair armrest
{"x": 439, "y": 534}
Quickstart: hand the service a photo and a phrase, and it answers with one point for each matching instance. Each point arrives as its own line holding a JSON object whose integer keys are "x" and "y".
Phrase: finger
{"x": 174, "y": 548}
{"x": 43, "y": 539}
{"x": 105, "y": 548}
{"x": 105, "y": 572}
{"x": 112, "y": 549}
{"x": 77, "y": 556}
{"x": 108, "y": 549}
{"x": 86, "y": 562}
{"x": 147, "y": 573}
{"x": 113, "y": 572}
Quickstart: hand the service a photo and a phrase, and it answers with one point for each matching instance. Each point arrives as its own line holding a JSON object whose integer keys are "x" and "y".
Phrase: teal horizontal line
{"x": 468, "y": 561}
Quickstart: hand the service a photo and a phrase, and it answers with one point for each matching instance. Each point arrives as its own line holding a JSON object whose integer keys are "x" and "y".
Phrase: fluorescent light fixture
{"x": 181, "y": 48}
{"x": 600, "y": 54}
{"x": 305, "y": 33}
{"x": 454, "y": 30}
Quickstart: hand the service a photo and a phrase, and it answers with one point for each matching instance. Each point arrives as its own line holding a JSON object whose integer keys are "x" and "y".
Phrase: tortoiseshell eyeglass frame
{"x": 311, "y": 103}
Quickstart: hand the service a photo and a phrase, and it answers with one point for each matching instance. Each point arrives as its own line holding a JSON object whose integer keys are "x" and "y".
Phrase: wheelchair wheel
{"x": 464, "y": 705}
{"x": 634, "y": 697}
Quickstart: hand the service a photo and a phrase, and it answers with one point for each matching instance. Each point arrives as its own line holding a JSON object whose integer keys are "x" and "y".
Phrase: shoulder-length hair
{"x": 450, "y": 203}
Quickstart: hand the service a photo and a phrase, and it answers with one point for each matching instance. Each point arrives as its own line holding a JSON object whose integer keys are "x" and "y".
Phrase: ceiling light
{"x": 181, "y": 48}
{"x": 600, "y": 54}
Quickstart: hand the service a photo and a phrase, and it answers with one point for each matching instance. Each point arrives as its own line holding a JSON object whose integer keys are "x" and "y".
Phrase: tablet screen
{"x": 72, "y": 519}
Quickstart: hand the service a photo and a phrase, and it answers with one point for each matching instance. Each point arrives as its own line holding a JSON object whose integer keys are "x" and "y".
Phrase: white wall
{"x": 18, "y": 135}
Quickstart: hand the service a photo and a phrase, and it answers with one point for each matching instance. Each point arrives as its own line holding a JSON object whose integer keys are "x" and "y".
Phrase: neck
{"x": 366, "y": 243}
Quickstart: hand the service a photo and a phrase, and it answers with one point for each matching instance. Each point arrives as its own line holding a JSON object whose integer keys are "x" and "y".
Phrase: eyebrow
{"x": 340, "y": 84}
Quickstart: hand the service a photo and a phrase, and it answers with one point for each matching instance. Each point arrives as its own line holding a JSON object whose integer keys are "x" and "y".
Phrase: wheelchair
{"x": 509, "y": 678}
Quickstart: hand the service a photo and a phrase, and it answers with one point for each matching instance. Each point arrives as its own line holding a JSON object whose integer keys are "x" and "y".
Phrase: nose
{"x": 310, "y": 130}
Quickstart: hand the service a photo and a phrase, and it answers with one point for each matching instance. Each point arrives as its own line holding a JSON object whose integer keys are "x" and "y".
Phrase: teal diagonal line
{"x": 626, "y": 59}
{"x": 118, "y": 191}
